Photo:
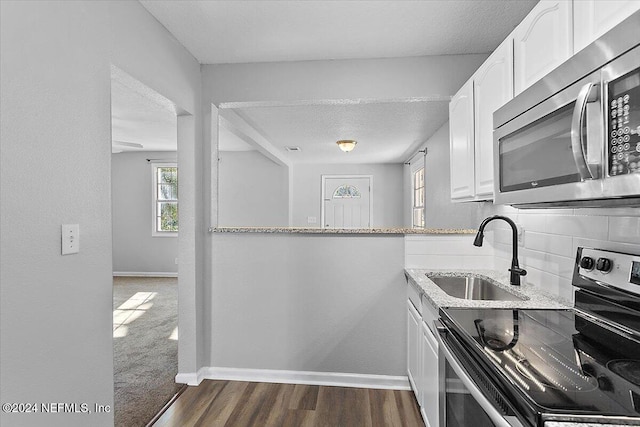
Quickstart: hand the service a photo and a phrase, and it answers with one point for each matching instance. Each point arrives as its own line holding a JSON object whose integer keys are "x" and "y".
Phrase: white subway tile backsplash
{"x": 478, "y": 262}
{"x": 550, "y": 263}
{"x": 551, "y": 238}
{"x": 591, "y": 227}
{"x": 503, "y": 236}
{"x": 549, "y": 283}
{"x": 551, "y": 243}
{"x": 624, "y": 229}
{"x": 502, "y": 250}
{"x": 433, "y": 261}
{"x": 445, "y": 246}
{"x": 453, "y": 252}
{"x": 532, "y": 222}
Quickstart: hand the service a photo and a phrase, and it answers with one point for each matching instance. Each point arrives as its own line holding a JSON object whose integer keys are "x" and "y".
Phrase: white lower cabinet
{"x": 414, "y": 320}
{"x": 422, "y": 365}
{"x": 429, "y": 377}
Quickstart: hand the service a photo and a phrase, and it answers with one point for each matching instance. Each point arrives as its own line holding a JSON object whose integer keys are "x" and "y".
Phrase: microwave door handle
{"x": 587, "y": 94}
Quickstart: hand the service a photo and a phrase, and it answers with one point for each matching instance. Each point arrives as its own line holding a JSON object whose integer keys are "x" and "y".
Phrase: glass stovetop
{"x": 557, "y": 359}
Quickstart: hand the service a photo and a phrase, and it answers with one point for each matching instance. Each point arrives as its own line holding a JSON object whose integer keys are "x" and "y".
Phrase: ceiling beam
{"x": 234, "y": 123}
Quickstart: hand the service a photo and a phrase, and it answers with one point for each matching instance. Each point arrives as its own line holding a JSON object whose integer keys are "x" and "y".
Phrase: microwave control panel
{"x": 624, "y": 124}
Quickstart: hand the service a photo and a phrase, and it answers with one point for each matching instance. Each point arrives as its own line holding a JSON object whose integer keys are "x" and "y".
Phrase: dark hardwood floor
{"x": 237, "y": 404}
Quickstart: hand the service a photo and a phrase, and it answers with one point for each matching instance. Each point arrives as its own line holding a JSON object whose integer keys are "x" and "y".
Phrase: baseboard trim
{"x": 304, "y": 377}
{"x": 191, "y": 378}
{"x": 143, "y": 274}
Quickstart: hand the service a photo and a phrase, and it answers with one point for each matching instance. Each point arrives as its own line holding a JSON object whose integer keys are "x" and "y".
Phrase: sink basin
{"x": 473, "y": 288}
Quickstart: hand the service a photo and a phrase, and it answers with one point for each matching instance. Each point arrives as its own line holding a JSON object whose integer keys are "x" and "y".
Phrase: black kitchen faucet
{"x": 515, "y": 269}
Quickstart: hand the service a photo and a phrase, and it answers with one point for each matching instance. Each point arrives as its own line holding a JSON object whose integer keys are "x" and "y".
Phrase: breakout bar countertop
{"x": 309, "y": 230}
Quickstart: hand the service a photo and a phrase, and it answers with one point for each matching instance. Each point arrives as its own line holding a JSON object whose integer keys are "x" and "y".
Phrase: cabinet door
{"x": 461, "y": 143}
{"x": 413, "y": 347}
{"x": 542, "y": 41}
{"x": 492, "y": 88}
{"x": 593, "y": 18}
{"x": 429, "y": 381}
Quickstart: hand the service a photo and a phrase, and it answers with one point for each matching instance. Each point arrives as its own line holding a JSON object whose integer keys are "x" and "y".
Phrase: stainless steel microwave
{"x": 573, "y": 138}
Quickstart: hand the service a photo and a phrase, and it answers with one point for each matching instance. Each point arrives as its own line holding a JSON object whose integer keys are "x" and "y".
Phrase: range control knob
{"x": 588, "y": 370}
{"x": 604, "y": 265}
{"x": 587, "y": 262}
{"x": 604, "y": 383}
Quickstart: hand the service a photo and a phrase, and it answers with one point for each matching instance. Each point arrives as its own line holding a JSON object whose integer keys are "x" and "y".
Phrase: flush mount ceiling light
{"x": 346, "y": 145}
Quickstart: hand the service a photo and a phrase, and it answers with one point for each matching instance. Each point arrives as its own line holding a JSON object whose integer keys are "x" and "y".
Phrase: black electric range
{"x": 580, "y": 365}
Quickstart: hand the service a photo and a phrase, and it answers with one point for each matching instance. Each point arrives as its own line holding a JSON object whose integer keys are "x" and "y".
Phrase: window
{"x": 418, "y": 198}
{"x": 165, "y": 199}
{"x": 347, "y": 192}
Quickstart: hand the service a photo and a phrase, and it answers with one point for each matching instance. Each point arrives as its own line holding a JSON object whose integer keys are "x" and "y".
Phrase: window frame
{"x": 154, "y": 199}
{"x": 415, "y": 168}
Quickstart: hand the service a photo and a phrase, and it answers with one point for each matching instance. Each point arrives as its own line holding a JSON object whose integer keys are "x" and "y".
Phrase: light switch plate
{"x": 70, "y": 239}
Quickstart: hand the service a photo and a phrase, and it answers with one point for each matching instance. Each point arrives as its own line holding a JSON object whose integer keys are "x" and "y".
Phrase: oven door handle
{"x": 587, "y": 94}
{"x": 496, "y": 416}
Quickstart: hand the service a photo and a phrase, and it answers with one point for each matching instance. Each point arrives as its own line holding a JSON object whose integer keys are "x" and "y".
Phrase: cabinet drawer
{"x": 414, "y": 296}
{"x": 429, "y": 314}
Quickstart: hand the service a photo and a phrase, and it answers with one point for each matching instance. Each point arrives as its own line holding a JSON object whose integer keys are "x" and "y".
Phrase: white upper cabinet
{"x": 462, "y": 143}
{"x": 542, "y": 41}
{"x": 593, "y": 18}
{"x": 492, "y": 88}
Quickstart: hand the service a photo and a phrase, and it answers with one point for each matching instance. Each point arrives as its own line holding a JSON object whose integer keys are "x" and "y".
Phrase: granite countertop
{"x": 535, "y": 298}
{"x": 309, "y": 230}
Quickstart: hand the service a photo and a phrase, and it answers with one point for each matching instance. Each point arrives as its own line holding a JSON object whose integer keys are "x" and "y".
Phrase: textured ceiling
{"x": 387, "y": 132}
{"x": 263, "y": 31}
{"x": 140, "y": 116}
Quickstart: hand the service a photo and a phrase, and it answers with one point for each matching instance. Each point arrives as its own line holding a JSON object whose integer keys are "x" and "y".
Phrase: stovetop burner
{"x": 629, "y": 369}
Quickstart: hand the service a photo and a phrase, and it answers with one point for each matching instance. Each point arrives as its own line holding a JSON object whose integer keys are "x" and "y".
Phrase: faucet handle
{"x": 519, "y": 271}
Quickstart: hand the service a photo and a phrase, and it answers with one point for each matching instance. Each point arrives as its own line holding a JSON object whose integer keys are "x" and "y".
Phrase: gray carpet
{"x": 145, "y": 358}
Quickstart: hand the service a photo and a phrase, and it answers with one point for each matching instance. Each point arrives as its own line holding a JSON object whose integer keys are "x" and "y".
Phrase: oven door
{"x": 553, "y": 152}
{"x": 462, "y": 402}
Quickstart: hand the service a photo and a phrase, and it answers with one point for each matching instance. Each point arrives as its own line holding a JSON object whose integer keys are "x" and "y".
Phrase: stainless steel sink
{"x": 472, "y": 288}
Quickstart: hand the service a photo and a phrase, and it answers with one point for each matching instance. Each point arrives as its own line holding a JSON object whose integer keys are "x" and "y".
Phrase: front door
{"x": 347, "y": 201}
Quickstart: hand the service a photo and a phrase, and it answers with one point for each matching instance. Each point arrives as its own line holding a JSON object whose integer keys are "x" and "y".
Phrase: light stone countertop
{"x": 310, "y": 230}
{"x": 535, "y": 297}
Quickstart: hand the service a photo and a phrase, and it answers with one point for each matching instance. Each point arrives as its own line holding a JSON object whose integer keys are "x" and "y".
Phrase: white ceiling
{"x": 387, "y": 132}
{"x": 264, "y": 31}
{"x": 140, "y": 116}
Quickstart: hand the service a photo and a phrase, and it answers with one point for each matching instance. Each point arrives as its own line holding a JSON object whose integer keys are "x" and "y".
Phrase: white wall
{"x": 310, "y": 80}
{"x": 145, "y": 50}
{"x": 309, "y": 303}
{"x": 55, "y": 168}
{"x": 253, "y": 190}
{"x": 387, "y": 191}
{"x": 552, "y": 236}
{"x": 56, "y": 311}
{"x": 135, "y": 250}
